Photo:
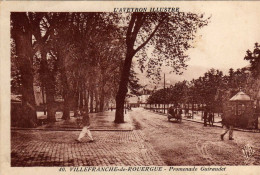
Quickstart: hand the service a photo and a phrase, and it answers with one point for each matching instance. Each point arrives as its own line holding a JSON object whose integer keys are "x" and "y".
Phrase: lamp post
{"x": 164, "y": 90}
{"x": 164, "y": 93}
{"x": 125, "y": 106}
{"x": 111, "y": 103}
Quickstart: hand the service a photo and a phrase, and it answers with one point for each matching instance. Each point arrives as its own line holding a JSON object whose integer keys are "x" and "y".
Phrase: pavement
{"x": 55, "y": 145}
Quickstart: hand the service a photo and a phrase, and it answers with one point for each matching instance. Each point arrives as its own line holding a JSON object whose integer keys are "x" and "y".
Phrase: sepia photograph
{"x": 135, "y": 88}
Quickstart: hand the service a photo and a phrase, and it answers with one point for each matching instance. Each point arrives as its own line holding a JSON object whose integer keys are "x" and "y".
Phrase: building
{"x": 132, "y": 102}
{"x": 145, "y": 94}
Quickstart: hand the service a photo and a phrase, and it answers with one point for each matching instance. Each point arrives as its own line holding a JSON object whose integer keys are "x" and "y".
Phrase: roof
{"x": 132, "y": 99}
{"x": 240, "y": 96}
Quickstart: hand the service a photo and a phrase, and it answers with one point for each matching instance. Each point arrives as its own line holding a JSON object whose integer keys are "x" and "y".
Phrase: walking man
{"x": 228, "y": 128}
{"x": 179, "y": 114}
{"x": 228, "y": 121}
{"x": 205, "y": 117}
{"x": 210, "y": 119}
{"x": 85, "y": 130}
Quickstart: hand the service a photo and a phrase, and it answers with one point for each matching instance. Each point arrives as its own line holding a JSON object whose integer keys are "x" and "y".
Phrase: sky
{"x": 222, "y": 44}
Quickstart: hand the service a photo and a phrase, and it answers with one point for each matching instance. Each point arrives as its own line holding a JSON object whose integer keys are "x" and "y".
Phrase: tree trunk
{"x": 43, "y": 100}
{"x": 122, "y": 91}
{"x": 257, "y": 113}
{"x": 91, "y": 100}
{"x": 135, "y": 24}
{"x": 51, "y": 107}
{"x": 202, "y": 112}
{"x": 86, "y": 99}
{"x": 23, "y": 38}
{"x": 51, "y": 111}
{"x": 102, "y": 95}
{"x": 192, "y": 110}
{"x": 97, "y": 101}
{"x": 81, "y": 97}
{"x": 66, "y": 107}
{"x": 49, "y": 81}
{"x": 76, "y": 100}
{"x": 66, "y": 95}
{"x": 102, "y": 100}
{"x": 28, "y": 99}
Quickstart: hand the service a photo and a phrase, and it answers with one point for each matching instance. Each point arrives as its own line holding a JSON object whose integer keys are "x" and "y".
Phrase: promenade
{"x": 55, "y": 145}
{"x": 145, "y": 139}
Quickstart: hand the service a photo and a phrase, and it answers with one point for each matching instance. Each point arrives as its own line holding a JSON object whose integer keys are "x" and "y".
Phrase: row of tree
{"x": 214, "y": 89}
{"x": 67, "y": 54}
{"x": 87, "y": 56}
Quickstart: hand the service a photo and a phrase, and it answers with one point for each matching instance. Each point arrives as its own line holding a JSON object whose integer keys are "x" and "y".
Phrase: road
{"x": 190, "y": 143}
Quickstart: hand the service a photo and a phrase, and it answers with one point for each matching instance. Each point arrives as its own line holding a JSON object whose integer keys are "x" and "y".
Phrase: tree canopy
{"x": 156, "y": 39}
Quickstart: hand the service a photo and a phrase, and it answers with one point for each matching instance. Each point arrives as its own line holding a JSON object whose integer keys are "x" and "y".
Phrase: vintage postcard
{"x": 130, "y": 87}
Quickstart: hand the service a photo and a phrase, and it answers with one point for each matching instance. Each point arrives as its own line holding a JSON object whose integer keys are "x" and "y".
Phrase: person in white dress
{"x": 85, "y": 130}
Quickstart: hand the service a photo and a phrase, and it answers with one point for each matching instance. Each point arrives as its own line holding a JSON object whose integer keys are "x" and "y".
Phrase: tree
{"x": 254, "y": 59}
{"x": 134, "y": 85}
{"x": 253, "y": 86}
{"x": 175, "y": 94}
{"x": 157, "y": 97}
{"x": 47, "y": 61}
{"x": 16, "y": 84}
{"x": 22, "y": 25}
{"x": 168, "y": 33}
{"x": 89, "y": 51}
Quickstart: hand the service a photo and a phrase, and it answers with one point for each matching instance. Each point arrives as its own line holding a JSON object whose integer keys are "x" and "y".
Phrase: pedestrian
{"x": 228, "y": 121}
{"x": 85, "y": 130}
{"x": 210, "y": 119}
{"x": 205, "y": 117}
{"x": 179, "y": 114}
{"x": 186, "y": 111}
{"x": 228, "y": 128}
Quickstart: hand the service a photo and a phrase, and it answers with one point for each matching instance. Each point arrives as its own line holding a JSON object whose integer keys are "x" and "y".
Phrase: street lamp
{"x": 168, "y": 82}
{"x": 164, "y": 93}
{"x": 111, "y": 103}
